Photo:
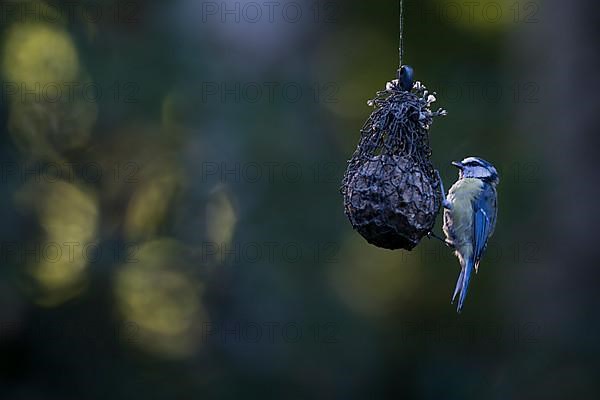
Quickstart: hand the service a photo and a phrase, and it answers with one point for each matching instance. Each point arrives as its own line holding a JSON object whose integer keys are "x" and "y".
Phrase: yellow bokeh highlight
{"x": 37, "y": 54}
{"x": 149, "y": 206}
{"x": 45, "y": 129}
{"x": 68, "y": 219}
{"x": 48, "y": 114}
{"x": 157, "y": 292}
{"x": 221, "y": 217}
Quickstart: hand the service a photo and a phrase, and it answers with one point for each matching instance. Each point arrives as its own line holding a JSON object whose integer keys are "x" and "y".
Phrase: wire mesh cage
{"x": 391, "y": 190}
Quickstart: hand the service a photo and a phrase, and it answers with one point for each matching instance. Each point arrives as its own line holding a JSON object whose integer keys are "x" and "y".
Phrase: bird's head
{"x": 475, "y": 167}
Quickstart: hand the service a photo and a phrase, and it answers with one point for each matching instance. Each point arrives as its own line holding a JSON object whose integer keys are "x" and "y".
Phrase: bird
{"x": 470, "y": 212}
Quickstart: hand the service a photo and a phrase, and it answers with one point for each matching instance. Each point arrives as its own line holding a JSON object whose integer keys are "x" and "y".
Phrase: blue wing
{"x": 484, "y": 221}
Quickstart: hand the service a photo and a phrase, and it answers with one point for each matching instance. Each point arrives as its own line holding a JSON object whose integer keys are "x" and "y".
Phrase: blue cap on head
{"x": 478, "y": 168}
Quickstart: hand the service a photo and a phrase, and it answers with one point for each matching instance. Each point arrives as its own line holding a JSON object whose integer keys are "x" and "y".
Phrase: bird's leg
{"x": 445, "y": 203}
{"x": 445, "y": 241}
{"x": 433, "y": 235}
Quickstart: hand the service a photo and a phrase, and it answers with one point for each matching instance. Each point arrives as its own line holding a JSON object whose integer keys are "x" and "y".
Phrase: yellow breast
{"x": 458, "y": 221}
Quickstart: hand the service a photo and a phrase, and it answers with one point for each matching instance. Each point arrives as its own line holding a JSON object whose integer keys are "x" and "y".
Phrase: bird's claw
{"x": 446, "y": 204}
{"x": 434, "y": 236}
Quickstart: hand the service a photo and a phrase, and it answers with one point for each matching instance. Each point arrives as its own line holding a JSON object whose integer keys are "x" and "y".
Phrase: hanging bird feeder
{"x": 392, "y": 193}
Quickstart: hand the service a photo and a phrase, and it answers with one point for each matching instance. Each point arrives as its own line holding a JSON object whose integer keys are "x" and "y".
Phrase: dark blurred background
{"x": 172, "y": 226}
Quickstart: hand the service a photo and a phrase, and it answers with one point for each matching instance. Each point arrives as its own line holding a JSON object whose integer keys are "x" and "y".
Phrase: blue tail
{"x": 462, "y": 285}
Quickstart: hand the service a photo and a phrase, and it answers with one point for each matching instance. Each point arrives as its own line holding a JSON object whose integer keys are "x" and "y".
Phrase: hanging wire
{"x": 401, "y": 44}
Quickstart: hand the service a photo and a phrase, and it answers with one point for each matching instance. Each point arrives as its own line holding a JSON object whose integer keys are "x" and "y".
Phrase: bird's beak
{"x": 458, "y": 164}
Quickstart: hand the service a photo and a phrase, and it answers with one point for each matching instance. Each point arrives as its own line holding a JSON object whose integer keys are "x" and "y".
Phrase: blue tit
{"x": 470, "y": 211}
